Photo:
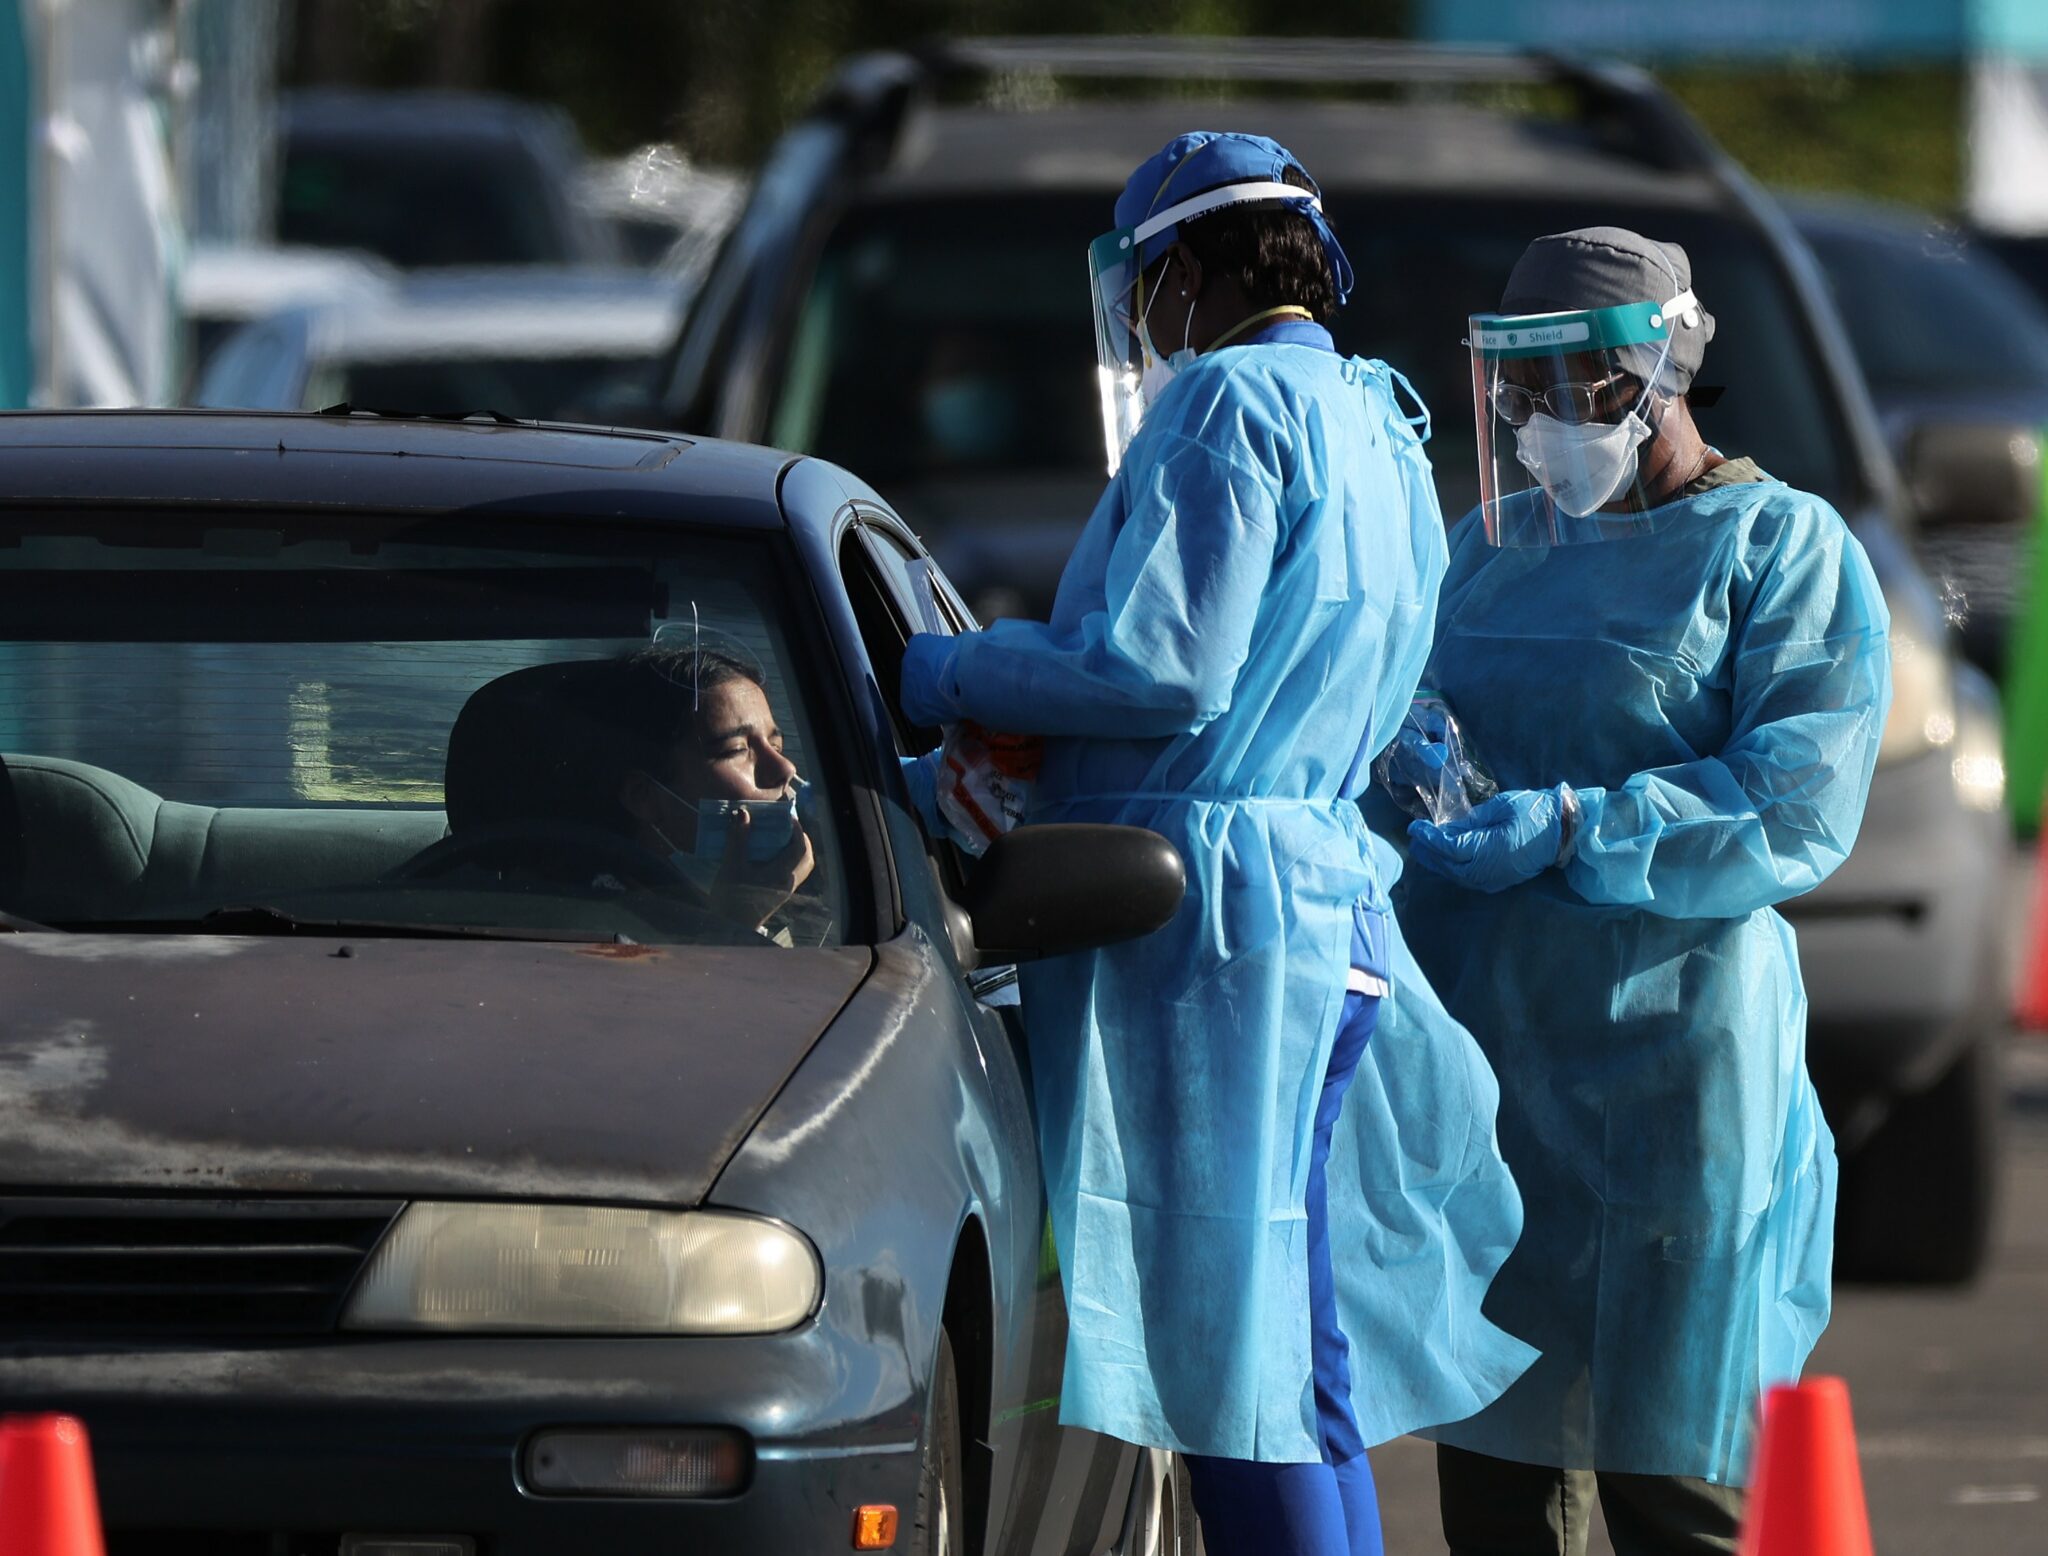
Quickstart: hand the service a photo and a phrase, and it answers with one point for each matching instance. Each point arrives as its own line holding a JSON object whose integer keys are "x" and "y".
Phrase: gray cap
{"x": 1605, "y": 267}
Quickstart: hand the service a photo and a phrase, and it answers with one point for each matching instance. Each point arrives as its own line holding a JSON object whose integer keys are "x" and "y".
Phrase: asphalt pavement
{"x": 1949, "y": 1386}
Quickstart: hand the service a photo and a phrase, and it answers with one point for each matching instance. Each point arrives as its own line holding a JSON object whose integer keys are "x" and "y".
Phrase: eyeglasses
{"x": 1570, "y": 402}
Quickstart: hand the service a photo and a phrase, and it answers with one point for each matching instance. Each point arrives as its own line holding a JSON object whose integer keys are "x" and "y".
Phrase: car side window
{"x": 914, "y": 598}
{"x": 896, "y": 592}
{"x": 883, "y": 616}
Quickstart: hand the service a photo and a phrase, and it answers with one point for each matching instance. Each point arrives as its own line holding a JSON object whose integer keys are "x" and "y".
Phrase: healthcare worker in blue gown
{"x": 1237, "y": 633}
{"x": 1676, "y": 669}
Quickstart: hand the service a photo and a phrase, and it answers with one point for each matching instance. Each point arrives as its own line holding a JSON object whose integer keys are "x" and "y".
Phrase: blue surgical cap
{"x": 1203, "y": 160}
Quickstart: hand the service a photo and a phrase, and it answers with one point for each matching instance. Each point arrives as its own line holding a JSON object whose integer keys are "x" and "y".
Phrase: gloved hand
{"x": 1427, "y": 769}
{"x": 1414, "y": 765}
{"x": 928, "y": 694}
{"x": 1513, "y": 837}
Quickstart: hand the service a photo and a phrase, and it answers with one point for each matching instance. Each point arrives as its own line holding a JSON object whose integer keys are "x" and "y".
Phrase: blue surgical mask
{"x": 771, "y": 824}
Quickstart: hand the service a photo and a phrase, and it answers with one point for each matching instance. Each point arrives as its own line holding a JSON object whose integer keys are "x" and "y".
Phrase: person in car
{"x": 1238, "y": 631}
{"x": 697, "y": 729}
{"x": 1677, "y": 670}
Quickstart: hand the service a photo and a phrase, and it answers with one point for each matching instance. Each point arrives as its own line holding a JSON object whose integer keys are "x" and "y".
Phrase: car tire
{"x": 941, "y": 1525}
{"x": 1161, "y": 1517}
{"x": 1917, "y": 1196}
{"x": 1185, "y": 1533}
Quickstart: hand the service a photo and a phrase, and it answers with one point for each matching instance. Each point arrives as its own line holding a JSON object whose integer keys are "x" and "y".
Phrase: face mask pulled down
{"x": 771, "y": 824}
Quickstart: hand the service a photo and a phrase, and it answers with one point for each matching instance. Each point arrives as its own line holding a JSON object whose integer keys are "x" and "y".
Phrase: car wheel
{"x": 1161, "y": 1519}
{"x": 1916, "y": 1197}
{"x": 941, "y": 1488}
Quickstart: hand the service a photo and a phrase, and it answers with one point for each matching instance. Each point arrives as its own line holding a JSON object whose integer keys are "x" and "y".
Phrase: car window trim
{"x": 860, "y": 527}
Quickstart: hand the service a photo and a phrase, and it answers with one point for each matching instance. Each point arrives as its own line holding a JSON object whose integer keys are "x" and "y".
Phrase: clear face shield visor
{"x": 1565, "y": 405}
{"x": 1125, "y": 354}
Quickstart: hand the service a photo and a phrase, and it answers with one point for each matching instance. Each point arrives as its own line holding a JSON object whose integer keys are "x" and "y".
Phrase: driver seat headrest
{"x": 13, "y": 840}
{"x": 546, "y": 743}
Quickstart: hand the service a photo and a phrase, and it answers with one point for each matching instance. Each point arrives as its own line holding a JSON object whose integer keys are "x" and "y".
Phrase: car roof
{"x": 376, "y": 464}
{"x": 368, "y": 115}
{"x": 511, "y": 311}
{"x": 1345, "y": 146}
{"x": 1848, "y": 216}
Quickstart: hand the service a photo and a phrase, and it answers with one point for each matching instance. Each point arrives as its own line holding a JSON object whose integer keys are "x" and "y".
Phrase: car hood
{"x": 618, "y": 1073}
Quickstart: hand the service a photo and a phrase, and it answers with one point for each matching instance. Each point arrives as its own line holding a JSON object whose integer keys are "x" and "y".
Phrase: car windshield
{"x": 261, "y": 724}
{"x": 1929, "y": 314}
{"x": 543, "y": 388}
{"x": 417, "y": 207}
{"x": 950, "y": 337}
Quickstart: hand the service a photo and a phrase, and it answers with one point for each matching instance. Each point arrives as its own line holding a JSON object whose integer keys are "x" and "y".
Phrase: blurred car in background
{"x": 531, "y": 343}
{"x": 1955, "y": 350}
{"x": 2024, "y": 254}
{"x": 222, "y": 287}
{"x": 905, "y": 293}
{"x": 435, "y": 178}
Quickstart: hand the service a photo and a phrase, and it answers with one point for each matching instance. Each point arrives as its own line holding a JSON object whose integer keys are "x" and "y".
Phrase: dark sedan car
{"x": 400, "y": 1154}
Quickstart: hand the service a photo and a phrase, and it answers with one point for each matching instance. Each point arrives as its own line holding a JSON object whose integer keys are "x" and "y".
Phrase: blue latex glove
{"x": 1512, "y": 838}
{"x": 930, "y": 692}
{"x": 1421, "y": 749}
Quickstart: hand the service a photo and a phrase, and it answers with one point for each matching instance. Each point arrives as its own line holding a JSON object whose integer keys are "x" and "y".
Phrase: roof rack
{"x": 1623, "y": 103}
{"x": 1359, "y": 60}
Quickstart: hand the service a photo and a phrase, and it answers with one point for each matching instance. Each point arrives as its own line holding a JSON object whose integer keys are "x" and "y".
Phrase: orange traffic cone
{"x": 1807, "y": 1496}
{"x": 2032, "y": 1013}
{"x": 47, "y": 1505}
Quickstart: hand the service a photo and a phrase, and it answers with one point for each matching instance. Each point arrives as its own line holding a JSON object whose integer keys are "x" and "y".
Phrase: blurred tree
{"x": 721, "y": 77}
{"x": 1892, "y": 134}
{"x": 724, "y": 77}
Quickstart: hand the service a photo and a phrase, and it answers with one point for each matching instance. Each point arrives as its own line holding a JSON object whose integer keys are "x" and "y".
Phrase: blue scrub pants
{"x": 1330, "y": 1508}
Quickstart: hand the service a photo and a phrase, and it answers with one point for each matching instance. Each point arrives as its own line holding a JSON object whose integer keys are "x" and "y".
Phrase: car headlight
{"x": 1923, "y": 714}
{"x": 586, "y": 1269}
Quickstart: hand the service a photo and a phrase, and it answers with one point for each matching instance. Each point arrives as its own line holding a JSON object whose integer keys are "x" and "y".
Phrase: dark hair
{"x": 634, "y": 712}
{"x": 664, "y": 685}
{"x": 1272, "y": 252}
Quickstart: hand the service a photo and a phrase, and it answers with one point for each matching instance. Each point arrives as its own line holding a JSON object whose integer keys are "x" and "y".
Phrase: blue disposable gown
{"x": 1240, "y": 627}
{"x": 1714, "y": 687}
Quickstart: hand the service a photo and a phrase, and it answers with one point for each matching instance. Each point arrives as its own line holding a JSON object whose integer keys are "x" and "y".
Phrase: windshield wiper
{"x": 262, "y": 919}
{"x": 15, "y": 925}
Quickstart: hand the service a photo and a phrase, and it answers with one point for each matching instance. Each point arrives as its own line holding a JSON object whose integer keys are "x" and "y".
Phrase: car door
{"x": 1053, "y": 1490}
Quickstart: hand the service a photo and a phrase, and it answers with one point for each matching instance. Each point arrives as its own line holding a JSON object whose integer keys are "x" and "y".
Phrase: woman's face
{"x": 737, "y": 750}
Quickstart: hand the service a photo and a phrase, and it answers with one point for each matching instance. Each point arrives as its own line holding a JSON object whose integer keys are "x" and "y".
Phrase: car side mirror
{"x": 1046, "y": 890}
{"x": 1973, "y": 472}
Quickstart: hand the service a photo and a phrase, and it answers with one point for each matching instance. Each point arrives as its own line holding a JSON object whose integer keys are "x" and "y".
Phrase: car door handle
{"x": 985, "y": 981}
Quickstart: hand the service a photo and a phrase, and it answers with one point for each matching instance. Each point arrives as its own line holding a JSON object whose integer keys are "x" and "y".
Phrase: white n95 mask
{"x": 1583, "y": 467}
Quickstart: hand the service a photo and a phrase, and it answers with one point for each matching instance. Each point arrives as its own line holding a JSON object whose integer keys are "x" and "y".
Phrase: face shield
{"x": 1125, "y": 356}
{"x": 1565, "y": 405}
